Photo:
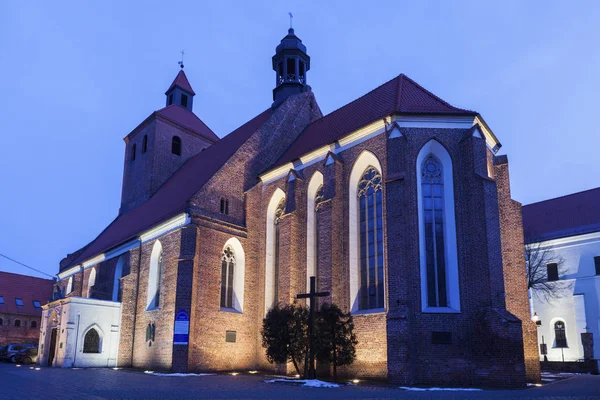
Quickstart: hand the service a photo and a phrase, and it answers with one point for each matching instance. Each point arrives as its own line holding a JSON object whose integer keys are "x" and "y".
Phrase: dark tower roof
{"x": 290, "y": 64}
{"x": 180, "y": 92}
{"x": 181, "y": 81}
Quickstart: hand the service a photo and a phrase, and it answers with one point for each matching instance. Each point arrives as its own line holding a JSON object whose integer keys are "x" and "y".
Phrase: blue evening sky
{"x": 76, "y": 77}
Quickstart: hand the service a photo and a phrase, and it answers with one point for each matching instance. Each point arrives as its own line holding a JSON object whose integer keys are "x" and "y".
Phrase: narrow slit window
{"x": 552, "y": 272}
{"x": 133, "y": 150}
{"x": 145, "y": 144}
{"x": 176, "y": 145}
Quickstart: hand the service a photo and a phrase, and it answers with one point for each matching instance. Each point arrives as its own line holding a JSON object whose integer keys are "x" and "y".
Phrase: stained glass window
{"x": 370, "y": 199}
{"x": 91, "y": 342}
{"x": 432, "y": 192}
{"x": 227, "y": 271}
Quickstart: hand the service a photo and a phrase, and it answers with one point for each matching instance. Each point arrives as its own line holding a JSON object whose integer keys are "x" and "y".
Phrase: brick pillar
{"x": 513, "y": 262}
{"x": 587, "y": 341}
{"x": 183, "y": 299}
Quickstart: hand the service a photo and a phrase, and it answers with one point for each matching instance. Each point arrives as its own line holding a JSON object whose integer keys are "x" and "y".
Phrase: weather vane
{"x": 291, "y": 16}
{"x": 181, "y": 62}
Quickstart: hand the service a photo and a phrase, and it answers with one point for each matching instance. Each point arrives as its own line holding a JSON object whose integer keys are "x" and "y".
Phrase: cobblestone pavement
{"x": 65, "y": 384}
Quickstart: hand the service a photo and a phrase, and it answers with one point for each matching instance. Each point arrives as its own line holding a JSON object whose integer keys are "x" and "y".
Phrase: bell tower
{"x": 290, "y": 63}
{"x": 180, "y": 92}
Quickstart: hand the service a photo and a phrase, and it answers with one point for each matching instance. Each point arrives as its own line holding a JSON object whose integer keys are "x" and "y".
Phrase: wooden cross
{"x": 312, "y": 295}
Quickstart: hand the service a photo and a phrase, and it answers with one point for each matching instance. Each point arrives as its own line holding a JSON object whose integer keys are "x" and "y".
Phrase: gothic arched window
{"x": 91, "y": 282}
{"x": 154, "y": 276}
{"x": 560, "y": 334}
{"x": 272, "y": 243}
{"x": 117, "y": 289}
{"x": 276, "y": 243}
{"x": 432, "y": 193}
{"x": 176, "y": 145}
{"x": 227, "y": 272}
{"x": 437, "y": 230}
{"x": 316, "y": 250}
{"x": 370, "y": 208}
{"x": 69, "y": 285}
{"x": 91, "y": 342}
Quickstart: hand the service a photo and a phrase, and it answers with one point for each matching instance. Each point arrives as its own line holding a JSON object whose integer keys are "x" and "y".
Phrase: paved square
{"x": 65, "y": 384}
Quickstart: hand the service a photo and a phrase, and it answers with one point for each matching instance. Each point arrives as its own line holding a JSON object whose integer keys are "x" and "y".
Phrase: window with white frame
{"x": 227, "y": 273}
{"x": 437, "y": 230}
{"x": 275, "y": 210}
{"x": 154, "y": 276}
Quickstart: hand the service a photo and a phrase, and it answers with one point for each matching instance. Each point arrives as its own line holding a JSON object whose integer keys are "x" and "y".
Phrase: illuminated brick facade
{"x": 478, "y": 339}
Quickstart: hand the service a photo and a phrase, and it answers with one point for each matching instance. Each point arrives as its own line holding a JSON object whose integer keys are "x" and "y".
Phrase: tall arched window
{"x": 17, "y": 322}
{"x": 117, "y": 290}
{"x": 176, "y": 145}
{"x": 370, "y": 209}
{"x": 145, "y": 144}
{"x": 432, "y": 192}
{"x": 91, "y": 282}
{"x": 91, "y": 341}
{"x": 69, "y": 285}
{"x": 227, "y": 272}
{"x": 314, "y": 197}
{"x": 272, "y": 256}
{"x": 154, "y": 276}
{"x": 366, "y": 253}
{"x": 437, "y": 231}
{"x": 276, "y": 247}
{"x": 560, "y": 335}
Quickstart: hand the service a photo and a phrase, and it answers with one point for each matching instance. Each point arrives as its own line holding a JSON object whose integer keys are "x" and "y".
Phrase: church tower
{"x": 165, "y": 140}
{"x": 290, "y": 64}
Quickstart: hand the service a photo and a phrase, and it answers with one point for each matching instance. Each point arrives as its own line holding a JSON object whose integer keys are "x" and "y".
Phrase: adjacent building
{"x": 397, "y": 202}
{"x": 21, "y": 301}
{"x": 567, "y": 230}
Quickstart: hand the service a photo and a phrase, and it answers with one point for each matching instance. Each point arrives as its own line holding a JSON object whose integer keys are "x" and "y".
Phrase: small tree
{"x": 538, "y": 258}
{"x": 334, "y": 337}
{"x": 285, "y": 334}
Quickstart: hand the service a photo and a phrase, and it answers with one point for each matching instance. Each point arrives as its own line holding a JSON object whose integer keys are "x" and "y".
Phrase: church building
{"x": 397, "y": 203}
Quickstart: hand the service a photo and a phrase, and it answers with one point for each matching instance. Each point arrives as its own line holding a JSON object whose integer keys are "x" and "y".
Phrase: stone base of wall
{"x": 578, "y": 367}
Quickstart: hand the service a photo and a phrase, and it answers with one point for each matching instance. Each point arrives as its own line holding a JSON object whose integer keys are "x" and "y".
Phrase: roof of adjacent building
{"x": 24, "y": 287}
{"x": 570, "y": 215}
{"x": 400, "y": 95}
{"x": 181, "y": 80}
{"x": 172, "y": 196}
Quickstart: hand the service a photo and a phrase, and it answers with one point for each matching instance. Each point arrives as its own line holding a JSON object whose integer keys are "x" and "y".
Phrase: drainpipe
{"x": 137, "y": 295}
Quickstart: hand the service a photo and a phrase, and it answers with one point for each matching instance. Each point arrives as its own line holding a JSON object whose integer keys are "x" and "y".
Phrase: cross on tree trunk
{"x": 312, "y": 295}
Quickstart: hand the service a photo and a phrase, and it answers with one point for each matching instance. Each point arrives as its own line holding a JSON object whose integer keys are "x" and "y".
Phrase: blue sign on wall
{"x": 181, "y": 334}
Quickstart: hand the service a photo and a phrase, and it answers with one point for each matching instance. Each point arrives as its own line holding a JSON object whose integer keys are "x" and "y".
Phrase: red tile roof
{"x": 26, "y": 288}
{"x": 187, "y": 119}
{"x": 172, "y": 196}
{"x": 400, "y": 95}
{"x": 181, "y": 80}
{"x": 573, "y": 214}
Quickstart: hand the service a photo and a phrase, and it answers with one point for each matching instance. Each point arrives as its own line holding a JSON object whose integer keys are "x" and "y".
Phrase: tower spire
{"x": 181, "y": 62}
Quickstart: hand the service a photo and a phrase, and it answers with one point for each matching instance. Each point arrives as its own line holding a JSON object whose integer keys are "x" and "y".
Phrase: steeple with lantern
{"x": 291, "y": 64}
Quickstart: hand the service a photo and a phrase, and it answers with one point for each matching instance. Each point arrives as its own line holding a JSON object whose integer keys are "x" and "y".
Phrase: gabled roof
{"x": 400, "y": 95}
{"x": 171, "y": 197}
{"x": 26, "y": 288}
{"x": 573, "y": 214}
{"x": 181, "y": 80}
{"x": 187, "y": 119}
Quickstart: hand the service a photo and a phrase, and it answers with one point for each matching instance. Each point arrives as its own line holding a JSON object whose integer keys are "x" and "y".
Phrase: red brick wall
{"x": 9, "y": 333}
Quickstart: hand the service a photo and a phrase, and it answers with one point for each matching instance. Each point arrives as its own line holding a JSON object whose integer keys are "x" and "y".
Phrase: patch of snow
{"x": 534, "y": 384}
{"x": 548, "y": 380}
{"x": 175, "y": 374}
{"x": 305, "y": 382}
{"x": 436, "y": 389}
